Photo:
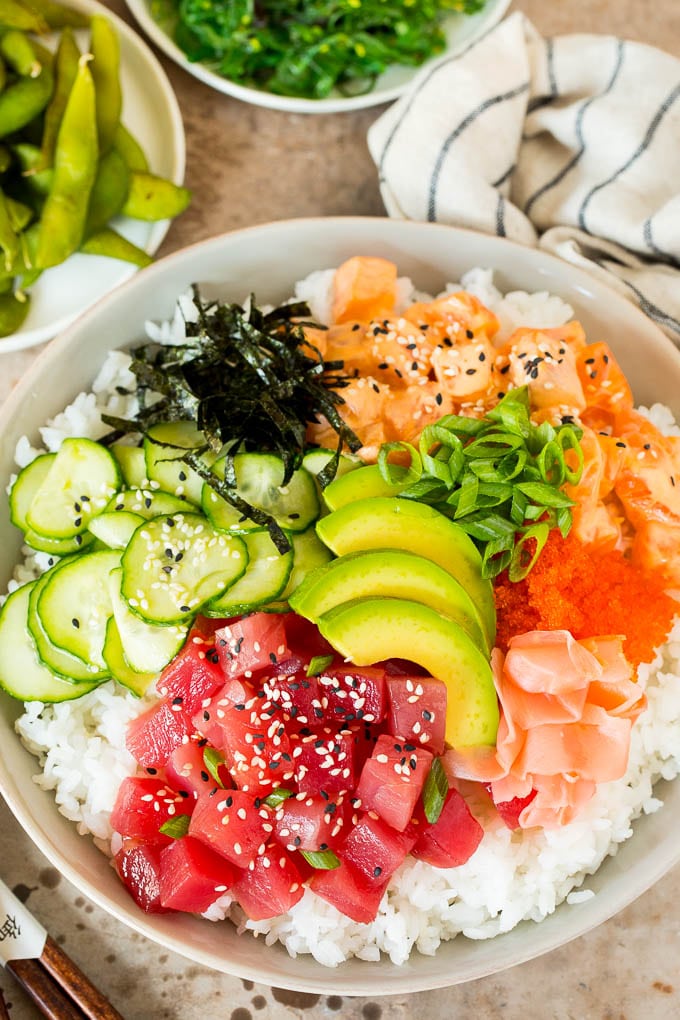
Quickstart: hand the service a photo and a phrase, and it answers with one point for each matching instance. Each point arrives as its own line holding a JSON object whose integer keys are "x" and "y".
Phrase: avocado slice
{"x": 363, "y": 483}
{"x": 369, "y": 630}
{"x": 388, "y": 573}
{"x": 384, "y": 522}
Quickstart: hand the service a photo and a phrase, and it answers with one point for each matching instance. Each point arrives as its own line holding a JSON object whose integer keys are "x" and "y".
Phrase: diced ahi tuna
{"x": 270, "y": 886}
{"x": 252, "y": 643}
{"x": 192, "y": 876}
{"x": 392, "y": 780}
{"x": 138, "y": 865}
{"x": 369, "y": 856}
{"x": 304, "y": 638}
{"x": 153, "y": 736}
{"x": 354, "y": 693}
{"x": 143, "y": 805}
{"x": 208, "y": 719}
{"x": 229, "y": 822}
{"x": 194, "y": 674}
{"x": 187, "y": 773}
{"x": 256, "y": 746}
{"x": 453, "y": 838}
{"x": 417, "y": 710}
{"x": 324, "y": 761}
{"x": 310, "y": 823}
{"x": 297, "y": 694}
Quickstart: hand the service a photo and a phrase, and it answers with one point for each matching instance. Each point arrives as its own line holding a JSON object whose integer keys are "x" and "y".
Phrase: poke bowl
{"x": 267, "y": 262}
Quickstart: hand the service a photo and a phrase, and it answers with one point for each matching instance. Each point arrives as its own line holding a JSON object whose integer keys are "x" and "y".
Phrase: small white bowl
{"x": 152, "y": 114}
{"x": 267, "y": 260}
{"x": 461, "y": 31}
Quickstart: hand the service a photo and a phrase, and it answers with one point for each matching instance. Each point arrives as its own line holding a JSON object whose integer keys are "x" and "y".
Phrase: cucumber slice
{"x": 315, "y": 461}
{"x": 259, "y": 478}
{"x": 175, "y": 564}
{"x": 265, "y": 578}
{"x": 22, "y": 674}
{"x": 80, "y": 482}
{"x": 147, "y": 502}
{"x": 161, "y": 455}
{"x": 309, "y": 552}
{"x": 26, "y": 485}
{"x": 147, "y": 647}
{"x": 63, "y": 664}
{"x": 59, "y": 546}
{"x": 114, "y": 656}
{"x": 75, "y": 605}
{"x": 132, "y": 464}
{"x": 115, "y": 528}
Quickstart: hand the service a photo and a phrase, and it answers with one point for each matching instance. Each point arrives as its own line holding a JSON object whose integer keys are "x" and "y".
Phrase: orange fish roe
{"x": 589, "y": 592}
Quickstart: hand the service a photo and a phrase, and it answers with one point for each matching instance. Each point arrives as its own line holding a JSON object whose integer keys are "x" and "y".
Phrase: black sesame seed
{"x": 469, "y": 334}
{"x": 377, "y": 872}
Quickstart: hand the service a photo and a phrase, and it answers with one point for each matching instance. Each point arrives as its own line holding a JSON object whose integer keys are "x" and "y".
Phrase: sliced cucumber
{"x": 115, "y": 528}
{"x": 59, "y": 546}
{"x": 22, "y": 674}
{"x": 136, "y": 683}
{"x": 81, "y": 480}
{"x": 163, "y": 445}
{"x": 259, "y": 478}
{"x": 265, "y": 578}
{"x": 66, "y": 666}
{"x": 25, "y": 487}
{"x": 309, "y": 552}
{"x": 132, "y": 464}
{"x": 75, "y": 605}
{"x": 146, "y": 502}
{"x": 175, "y": 564}
{"x": 147, "y": 647}
{"x": 315, "y": 461}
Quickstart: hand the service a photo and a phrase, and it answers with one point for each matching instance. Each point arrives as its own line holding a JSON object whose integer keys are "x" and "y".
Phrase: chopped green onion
{"x": 176, "y": 827}
{"x": 212, "y": 760}
{"x": 277, "y": 797}
{"x": 434, "y": 791}
{"x": 318, "y": 664}
{"x": 322, "y": 860}
{"x": 499, "y": 478}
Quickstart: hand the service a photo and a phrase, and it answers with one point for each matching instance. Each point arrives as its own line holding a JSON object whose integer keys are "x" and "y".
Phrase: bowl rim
{"x": 404, "y": 978}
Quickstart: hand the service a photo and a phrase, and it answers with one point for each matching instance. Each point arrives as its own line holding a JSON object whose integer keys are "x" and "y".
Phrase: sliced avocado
{"x": 384, "y": 522}
{"x": 363, "y": 483}
{"x": 388, "y": 573}
{"x": 369, "y": 630}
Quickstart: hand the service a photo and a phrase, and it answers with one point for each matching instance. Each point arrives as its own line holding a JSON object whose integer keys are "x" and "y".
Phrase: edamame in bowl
{"x": 93, "y": 174}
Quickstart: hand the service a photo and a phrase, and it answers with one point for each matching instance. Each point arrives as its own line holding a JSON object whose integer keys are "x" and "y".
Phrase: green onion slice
{"x": 434, "y": 791}
{"x": 322, "y": 860}
{"x": 176, "y": 827}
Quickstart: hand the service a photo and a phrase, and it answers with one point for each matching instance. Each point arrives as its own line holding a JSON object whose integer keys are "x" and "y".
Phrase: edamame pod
{"x": 130, "y": 149}
{"x": 108, "y": 193}
{"x": 65, "y": 70}
{"x": 154, "y": 198}
{"x": 75, "y": 167}
{"x": 13, "y": 14}
{"x": 18, "y": 52}
{"x": 114, "y": 246}
{"x": 23, "y": 100}
{"x": 58, "y": 16}
{"x": 9, "y": 242}
{"x": 13, "y": 311}
{"x": 106, "y": 74}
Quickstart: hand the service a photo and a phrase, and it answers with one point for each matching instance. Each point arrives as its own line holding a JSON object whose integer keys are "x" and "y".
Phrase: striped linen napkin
{"x": 571, "y": 143}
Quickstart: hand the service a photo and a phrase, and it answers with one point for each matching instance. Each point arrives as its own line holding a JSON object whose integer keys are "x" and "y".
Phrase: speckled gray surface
{"x": 247, "y": 165}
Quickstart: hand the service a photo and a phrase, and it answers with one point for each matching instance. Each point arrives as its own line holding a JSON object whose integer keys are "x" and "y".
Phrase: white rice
{"x": 513, "y": 876}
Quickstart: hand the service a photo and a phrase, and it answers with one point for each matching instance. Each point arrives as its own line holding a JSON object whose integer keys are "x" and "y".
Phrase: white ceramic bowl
{"x": 152, "y": 114}
{"x": 267, "y": 260}
{"x": 460, "y": 32}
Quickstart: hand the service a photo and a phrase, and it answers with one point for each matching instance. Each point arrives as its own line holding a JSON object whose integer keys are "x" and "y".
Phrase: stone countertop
{"x": 248, "y": 165}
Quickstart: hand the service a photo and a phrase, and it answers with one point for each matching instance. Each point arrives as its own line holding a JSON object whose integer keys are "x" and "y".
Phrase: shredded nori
{"x": 250, "y": 382}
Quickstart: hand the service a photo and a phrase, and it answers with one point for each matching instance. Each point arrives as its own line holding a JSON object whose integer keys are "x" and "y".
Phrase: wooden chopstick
{"x": 4, "y": 1013}
{"x": 72, "y": 980}
{"x": 45, "y": 993}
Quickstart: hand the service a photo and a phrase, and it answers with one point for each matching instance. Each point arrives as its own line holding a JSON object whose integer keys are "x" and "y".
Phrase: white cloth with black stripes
{"x": 571, "y": 143}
